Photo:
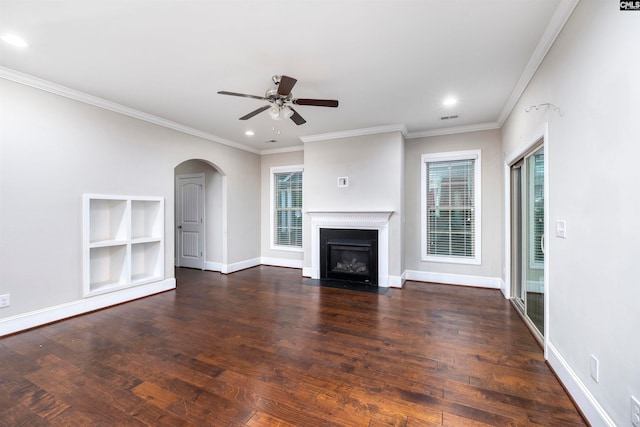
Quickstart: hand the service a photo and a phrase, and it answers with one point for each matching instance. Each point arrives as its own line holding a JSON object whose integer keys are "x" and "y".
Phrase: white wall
{"x": 274, "y": 256}
{"x": 489, "y": 273}
{"x": 374, "y": 165}
{"x": 54, "y": 149}
{"x": 592, "y": 74}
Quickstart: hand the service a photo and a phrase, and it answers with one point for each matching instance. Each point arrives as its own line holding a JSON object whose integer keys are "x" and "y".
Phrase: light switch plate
{"x": 595, "y": 368}
{"x": 561, "y": 228}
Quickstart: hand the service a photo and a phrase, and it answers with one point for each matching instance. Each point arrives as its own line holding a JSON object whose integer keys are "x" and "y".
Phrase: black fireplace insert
{"x": 349, "y": 255}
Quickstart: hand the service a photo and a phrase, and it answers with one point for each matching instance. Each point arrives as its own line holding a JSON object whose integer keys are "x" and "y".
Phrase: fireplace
{"x": 354, "y": 220}
{"x": 349, "y": 255}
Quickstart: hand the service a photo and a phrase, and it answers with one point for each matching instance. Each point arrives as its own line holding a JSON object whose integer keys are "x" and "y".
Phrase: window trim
{"x": 477, "y": 170}
{"x": 275, "y": 170}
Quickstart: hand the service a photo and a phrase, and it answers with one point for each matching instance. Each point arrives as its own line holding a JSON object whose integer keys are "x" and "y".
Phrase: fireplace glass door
{"x": 352, "y": 259}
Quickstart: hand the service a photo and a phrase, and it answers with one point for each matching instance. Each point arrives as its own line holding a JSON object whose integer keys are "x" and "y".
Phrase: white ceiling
{"x": 388, "y": 62}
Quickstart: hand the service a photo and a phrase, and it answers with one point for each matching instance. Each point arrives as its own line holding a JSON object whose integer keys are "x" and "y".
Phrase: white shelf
{"x": 123, "y": 242}
{"x": 106, "y": 243}
{"x": 145, "y": 240}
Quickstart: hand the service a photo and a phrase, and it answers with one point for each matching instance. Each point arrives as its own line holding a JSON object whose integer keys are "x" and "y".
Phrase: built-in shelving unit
{"x": 123, "y": 242}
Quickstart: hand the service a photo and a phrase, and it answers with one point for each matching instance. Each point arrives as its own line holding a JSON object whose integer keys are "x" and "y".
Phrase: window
{"x": 451, "y": 207}
{"x": 286, "y": 199}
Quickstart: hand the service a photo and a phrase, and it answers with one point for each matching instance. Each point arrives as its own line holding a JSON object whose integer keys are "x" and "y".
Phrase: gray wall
{"x": 375, "y": 167}
{"x": 492, "y": 201}
{"x": 591, "y": 74}
{"x": 55, "y": 149}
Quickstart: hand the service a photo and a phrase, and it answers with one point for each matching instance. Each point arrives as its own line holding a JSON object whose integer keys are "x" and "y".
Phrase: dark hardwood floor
{"x": 258, "y": 348}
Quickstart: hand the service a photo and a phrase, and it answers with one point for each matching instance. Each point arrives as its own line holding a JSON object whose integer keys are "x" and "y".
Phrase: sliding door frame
{"x": 540, "y": 136}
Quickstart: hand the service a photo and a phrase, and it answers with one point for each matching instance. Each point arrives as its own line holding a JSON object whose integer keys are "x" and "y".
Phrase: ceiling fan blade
{"x": 297, "y": 118}
{"x": 286, "y": 84}
{"x": 244, "y": 95}
{"x": 254, "y": 112}
{"x": 316, "y": 102}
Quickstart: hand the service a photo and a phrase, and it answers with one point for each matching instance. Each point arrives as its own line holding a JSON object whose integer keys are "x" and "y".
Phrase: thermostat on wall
{"x": 343, "y": 181}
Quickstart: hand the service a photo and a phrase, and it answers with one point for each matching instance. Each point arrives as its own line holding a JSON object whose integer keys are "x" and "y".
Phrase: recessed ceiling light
{"x": 14, "y": 40}
{"x": 449, "y": 101}
{"x": 249, "y": 133}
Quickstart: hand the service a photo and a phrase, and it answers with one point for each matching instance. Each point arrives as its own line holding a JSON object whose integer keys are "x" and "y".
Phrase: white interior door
{"x": 190, "y": 220}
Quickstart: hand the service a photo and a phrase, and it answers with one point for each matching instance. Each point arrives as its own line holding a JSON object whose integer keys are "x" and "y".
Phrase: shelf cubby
{"x": 108, "y": 220}
{"x": 107, "y": 266}
{"x": 145, "y": 262}
{"x": 145, "y": 221}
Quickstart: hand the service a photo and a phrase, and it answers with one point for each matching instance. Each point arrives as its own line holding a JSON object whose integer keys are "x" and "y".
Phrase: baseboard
{"x": 589, "y": 406}
{"x": 455, "y": 279}
{"x": 36, "y": 318}
{"x": 309, "y": 272}
{"x": 237, "y": 266}
{"x": 212, "y": 266}
{"x": 506, "y": 292}
{"x": 230, "y": 268}
{"x": 282, "y": 262}
{"x": 397, "y": 281}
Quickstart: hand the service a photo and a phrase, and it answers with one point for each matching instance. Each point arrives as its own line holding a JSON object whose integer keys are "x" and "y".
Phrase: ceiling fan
{"x": 280, "y": 99}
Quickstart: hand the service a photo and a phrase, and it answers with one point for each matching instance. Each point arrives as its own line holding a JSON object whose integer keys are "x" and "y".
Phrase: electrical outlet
{"x": 4, "y": 300}
{"x": 635, "y": 412}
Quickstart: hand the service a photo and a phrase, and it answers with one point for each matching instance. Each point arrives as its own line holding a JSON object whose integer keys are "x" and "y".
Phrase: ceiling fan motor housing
{"x": 272, "y": 95}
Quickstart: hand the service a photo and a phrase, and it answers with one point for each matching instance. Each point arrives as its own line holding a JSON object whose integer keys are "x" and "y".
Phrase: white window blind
{"x": 287, "y": 202}
{"x": 451, "y": 206}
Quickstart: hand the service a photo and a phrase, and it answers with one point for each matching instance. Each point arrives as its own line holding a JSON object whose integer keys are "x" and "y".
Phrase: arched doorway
{"x": 200, "y": 215}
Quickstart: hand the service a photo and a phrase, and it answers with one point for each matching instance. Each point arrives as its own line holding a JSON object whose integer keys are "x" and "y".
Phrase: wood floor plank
{"x": 260, "y": 419}
{"x": 155, "y": 394}
{"x": 259, "y": 348}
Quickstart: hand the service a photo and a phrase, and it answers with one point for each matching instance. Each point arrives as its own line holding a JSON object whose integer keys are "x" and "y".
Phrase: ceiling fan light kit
{"x": 274, "y": 112}
{"x": 280, "y": 99}
{"x": 286, "y": 112}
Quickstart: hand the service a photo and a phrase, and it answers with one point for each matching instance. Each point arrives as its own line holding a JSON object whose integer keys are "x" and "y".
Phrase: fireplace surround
{"x": 369, "y": 220}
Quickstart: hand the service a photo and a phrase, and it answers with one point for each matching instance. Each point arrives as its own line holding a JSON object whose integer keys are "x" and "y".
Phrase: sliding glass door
{"x": 527, "y": 237}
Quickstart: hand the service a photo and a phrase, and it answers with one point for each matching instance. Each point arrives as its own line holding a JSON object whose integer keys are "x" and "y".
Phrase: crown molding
{"x": 355, "y": 132}
{"x": 555, "y": 26}
{"x": 37, "y": 83}
{"x": 454, "y": 130}
{"x": 282, "y": 150}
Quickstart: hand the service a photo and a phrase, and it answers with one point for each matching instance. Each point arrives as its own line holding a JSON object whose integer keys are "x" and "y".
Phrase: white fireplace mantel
{"x": 367, "y": 220}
